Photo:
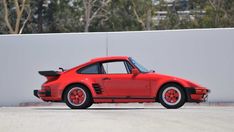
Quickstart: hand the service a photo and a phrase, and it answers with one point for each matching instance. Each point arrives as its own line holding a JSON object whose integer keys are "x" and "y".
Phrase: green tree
{"x": 94, "y": 9}
{"x": 55, "y": 16}
{"x": 61, "y": 16}
{"x": 219, "y": 13}
{"x": 143, "y": 11}
{"x": 118, "y": 18}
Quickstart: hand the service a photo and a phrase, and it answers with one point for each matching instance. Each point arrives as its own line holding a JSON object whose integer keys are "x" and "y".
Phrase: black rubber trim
{"x": 46, "y": 93}
{"x": 97, "y": 88}
{"x": 48, "y": 73}
{"x": 35, "y": 93}
{"x": 189, "y": 91}
{"x": 208, "y": 90}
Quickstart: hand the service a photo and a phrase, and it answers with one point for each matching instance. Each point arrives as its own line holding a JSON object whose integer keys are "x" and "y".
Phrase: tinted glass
{"x": 92, "y": 69}
{"x": 139, "y": 66}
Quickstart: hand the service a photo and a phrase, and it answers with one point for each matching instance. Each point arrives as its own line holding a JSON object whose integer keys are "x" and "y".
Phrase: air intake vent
{"x": 97, "y": 88}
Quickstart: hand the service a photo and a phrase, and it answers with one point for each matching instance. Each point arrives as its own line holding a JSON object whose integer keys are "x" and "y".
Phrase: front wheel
{"x": 77, "y": 97}
{"x": 172, "y": 96}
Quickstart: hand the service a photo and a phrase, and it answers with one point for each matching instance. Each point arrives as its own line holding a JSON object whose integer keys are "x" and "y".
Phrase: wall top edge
{"x": 117, "y": 32}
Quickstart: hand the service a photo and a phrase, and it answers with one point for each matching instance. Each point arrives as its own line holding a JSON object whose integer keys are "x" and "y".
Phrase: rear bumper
{"x": 35, "y": 93}
{"x": 46, "y": 95}
{"x": 197, "y": 94}
{"x": 41, "y": 93}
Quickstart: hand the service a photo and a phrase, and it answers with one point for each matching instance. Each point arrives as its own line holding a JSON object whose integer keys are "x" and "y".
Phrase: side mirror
{"x": 135, "y": 71}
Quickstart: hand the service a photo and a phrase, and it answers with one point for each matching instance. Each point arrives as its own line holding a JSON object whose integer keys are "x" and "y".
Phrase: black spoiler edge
{"x": 48, "y": 73}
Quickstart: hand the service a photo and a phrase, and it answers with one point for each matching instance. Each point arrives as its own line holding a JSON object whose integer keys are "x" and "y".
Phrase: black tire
{"x": 167, "y": 99}
{"x": 86, "y": 102}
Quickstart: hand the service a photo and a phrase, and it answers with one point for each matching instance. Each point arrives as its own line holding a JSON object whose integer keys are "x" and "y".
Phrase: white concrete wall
{"x": 21, "y": 57}
{"x": 203, "y": 56}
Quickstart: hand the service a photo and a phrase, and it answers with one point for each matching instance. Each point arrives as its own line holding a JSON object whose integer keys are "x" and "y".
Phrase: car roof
{"x": 109, "y": 58}
{"x": 100, "y": 59}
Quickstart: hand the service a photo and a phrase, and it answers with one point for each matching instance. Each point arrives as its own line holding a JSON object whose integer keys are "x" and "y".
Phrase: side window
{"x": 91, "y": 69}
{"x": 115, "y": 67}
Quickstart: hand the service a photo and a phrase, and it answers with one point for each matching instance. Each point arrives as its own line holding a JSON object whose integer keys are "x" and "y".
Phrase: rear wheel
{"x": 172, "y": 96}
{"x": 77, "y": 97}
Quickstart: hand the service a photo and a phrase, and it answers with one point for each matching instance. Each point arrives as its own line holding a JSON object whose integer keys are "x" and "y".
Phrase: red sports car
{"x": 117, "y": 79}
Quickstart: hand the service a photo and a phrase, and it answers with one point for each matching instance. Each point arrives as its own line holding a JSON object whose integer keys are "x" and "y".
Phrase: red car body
{"x": 131, "y": 86}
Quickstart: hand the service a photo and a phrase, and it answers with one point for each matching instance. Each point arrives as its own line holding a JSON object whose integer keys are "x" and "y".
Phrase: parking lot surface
{"x": 118, "y": 118}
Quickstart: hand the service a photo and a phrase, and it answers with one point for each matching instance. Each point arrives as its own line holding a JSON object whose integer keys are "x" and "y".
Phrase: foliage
{"x": 56, "y": 16}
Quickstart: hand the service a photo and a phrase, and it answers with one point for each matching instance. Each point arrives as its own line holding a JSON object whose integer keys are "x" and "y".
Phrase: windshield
{"x": 139, "y": 66}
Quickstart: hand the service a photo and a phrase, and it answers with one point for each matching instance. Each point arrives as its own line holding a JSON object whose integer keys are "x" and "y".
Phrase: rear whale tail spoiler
{"x": 49, "y": 73}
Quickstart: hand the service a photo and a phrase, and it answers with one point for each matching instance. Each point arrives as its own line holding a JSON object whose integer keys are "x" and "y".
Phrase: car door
{"x": 91, "y": 74}
{"x": 118, "y": 81}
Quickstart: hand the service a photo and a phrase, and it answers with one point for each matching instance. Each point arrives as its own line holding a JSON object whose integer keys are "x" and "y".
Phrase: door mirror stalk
{"x": 135, "y": 71}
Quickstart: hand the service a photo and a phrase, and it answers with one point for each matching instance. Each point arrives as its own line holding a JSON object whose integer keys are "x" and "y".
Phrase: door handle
{"x": 106, "y": 78}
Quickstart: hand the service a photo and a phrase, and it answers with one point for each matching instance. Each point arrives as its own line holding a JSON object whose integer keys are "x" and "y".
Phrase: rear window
{"x": 91, "y": 69}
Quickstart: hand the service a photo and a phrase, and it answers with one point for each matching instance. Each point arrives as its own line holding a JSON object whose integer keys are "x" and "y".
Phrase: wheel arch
{"x": 171, "y": 82}
{"x": 76, "y": 83}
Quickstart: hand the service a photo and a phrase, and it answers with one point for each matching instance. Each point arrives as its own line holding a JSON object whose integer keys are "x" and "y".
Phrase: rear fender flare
{"x": 87, "y": 85}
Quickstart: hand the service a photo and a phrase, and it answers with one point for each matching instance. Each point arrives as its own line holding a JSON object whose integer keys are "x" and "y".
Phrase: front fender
{"x": 157, "y": 84}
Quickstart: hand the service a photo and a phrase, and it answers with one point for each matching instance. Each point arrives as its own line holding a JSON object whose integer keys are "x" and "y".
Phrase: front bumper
{"x": 197, "y": 94}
